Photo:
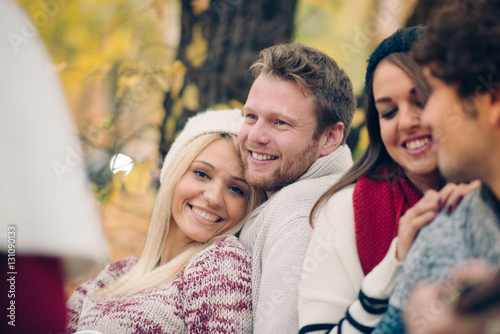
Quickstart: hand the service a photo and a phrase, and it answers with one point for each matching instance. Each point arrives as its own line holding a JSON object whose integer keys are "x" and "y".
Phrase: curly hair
{"x": 461, "y": 46}
{"x": 317, "y": 75}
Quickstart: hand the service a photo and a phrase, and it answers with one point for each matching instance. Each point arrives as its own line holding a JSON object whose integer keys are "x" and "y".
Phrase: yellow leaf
{"x": 129, "y": 75}
{"x": 138, "y": 180}
{"x": 125, "y": 82}
{"x": 358, "y": 118}
{"x": 362, "y": 143}
{"x": 129, "y": 68}
{"x": 113, "y": 189}
{"x": 190, "y": 97}
{"x": 177, "y": 72}
{"x": 178, "y": 66}
{"x": 166, "y": 69}
{"x": 101, "y": 72}
{"x": 200, "y": 6}
{"x": 177, "y": 109}
{"x": 236, "y": 104}
{"x": 158, "y": 5}
{"x": 230, "y": 105}
{"x": 196, "y": 51}
{"x": 221, "y": 106}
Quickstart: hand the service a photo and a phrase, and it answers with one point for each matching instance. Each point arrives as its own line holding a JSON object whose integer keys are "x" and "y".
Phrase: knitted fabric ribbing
{"x": 277, "y": 233}
{"x": 378, "y": 205}
{"x": 211, "y": 295}
{"x": 401, "y": 41}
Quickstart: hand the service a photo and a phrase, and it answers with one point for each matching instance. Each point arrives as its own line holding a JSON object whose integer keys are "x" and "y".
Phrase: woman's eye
{"x": 388, "y": 114}
{"x": 201, "y": 174}
{"x": 237, "y": 190}
{"x": 420, "y": 104}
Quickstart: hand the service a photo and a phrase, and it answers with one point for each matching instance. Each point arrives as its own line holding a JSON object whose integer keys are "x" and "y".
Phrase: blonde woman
{"x": 194, "y": 274}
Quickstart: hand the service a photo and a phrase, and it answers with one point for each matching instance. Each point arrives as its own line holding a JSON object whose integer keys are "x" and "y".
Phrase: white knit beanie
{"x": 210, "y": 121}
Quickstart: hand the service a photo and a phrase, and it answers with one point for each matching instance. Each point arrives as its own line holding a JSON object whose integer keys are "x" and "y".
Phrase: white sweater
{"x": 277, "y": 234}
{"x": 332, "y": 276}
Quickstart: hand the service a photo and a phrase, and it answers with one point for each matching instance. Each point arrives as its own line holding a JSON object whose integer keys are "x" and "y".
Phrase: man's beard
{"x": 288, "y": 172}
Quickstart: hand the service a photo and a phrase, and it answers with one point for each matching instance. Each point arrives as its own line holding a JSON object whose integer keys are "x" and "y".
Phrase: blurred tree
{"x": 219, "y": 41}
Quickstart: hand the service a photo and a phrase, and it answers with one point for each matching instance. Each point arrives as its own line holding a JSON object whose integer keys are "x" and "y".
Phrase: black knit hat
{"x": 400, "y": 41}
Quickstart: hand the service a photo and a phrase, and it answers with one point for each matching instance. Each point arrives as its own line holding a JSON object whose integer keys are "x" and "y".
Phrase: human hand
{"x": 452, "y": 194}
{"x": 433, "y": 308}
{"x": 424, "y": 211}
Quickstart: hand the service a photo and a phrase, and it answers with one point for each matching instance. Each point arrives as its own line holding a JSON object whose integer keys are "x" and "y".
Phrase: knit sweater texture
{"x": 277, "y": 234}
{"x": 379, "y": 202}
{"x": 470, "y": 232}
{"x": 335, "y": 296}
{"x": 212, "y": 294}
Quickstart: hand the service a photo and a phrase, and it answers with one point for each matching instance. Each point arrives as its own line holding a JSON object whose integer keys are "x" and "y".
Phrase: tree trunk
{"x": 218, "y": 44}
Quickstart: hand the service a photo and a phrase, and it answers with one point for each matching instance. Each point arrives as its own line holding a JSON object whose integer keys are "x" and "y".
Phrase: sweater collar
{"x": 335, "y": 163}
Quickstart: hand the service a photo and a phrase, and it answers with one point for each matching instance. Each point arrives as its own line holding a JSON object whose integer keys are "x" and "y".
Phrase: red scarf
{"x": 378, "y": 205}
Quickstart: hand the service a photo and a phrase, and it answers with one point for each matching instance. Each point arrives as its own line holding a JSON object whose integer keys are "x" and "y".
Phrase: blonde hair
{"x": 147, "y": 273}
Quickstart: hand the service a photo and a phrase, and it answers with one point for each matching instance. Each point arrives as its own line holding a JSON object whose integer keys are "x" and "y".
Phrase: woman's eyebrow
{"x": 215, "y": 169}
{"x": 383, "y": 99}
{"x": 206, "y": 163}
{"x": 239, "y": 179}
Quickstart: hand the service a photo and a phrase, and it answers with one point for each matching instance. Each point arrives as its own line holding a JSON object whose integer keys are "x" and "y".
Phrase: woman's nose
{"x": 213, "y": 194}
{"x": 409, "y": 118}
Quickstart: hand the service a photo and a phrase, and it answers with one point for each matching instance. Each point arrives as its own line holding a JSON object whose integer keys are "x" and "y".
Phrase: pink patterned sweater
{"x": 211, "y": 295}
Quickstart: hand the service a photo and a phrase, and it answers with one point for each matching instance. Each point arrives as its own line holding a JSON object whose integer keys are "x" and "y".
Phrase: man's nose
{"x": 259, "y": 133}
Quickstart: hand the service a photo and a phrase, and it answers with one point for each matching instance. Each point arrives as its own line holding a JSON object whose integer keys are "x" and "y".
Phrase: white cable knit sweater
{"x": 277, "y": 234}
{"x": 332, "y": 276}
{"x": 211, "y": 295}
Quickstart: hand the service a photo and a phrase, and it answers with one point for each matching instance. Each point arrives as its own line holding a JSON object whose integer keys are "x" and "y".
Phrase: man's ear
{"x": 494, "y": 105}
{"x": 331, "y": 138}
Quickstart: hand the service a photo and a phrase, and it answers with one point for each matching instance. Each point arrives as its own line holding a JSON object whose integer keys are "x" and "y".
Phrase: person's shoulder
{"x": 439, "y": 244}
{"x": 468, "y": 203}
{"x": 230, "y": 244}
{"x": 112, "y": 272}
{"x": 228, "y": 249}
{"x": 122, "y": 265}
{"x": 342, "y": 198}
{"x": 118, "y": 268}
{"x": 444, "y": 237}
{"x": 337, "y": 212}
{"x": 448, "y": 222}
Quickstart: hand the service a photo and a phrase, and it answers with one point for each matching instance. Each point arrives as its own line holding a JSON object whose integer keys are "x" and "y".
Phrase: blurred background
{"x": 134, "y": 71}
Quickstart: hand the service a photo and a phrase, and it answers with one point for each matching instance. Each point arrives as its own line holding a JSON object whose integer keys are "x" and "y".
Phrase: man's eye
{"x": 420, "y": 104}
{"x": 282, "y": 123}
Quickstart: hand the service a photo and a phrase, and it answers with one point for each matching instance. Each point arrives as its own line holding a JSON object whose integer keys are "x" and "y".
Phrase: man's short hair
{"x": 462, "y": 46}
{"x": 317, "y": 75}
